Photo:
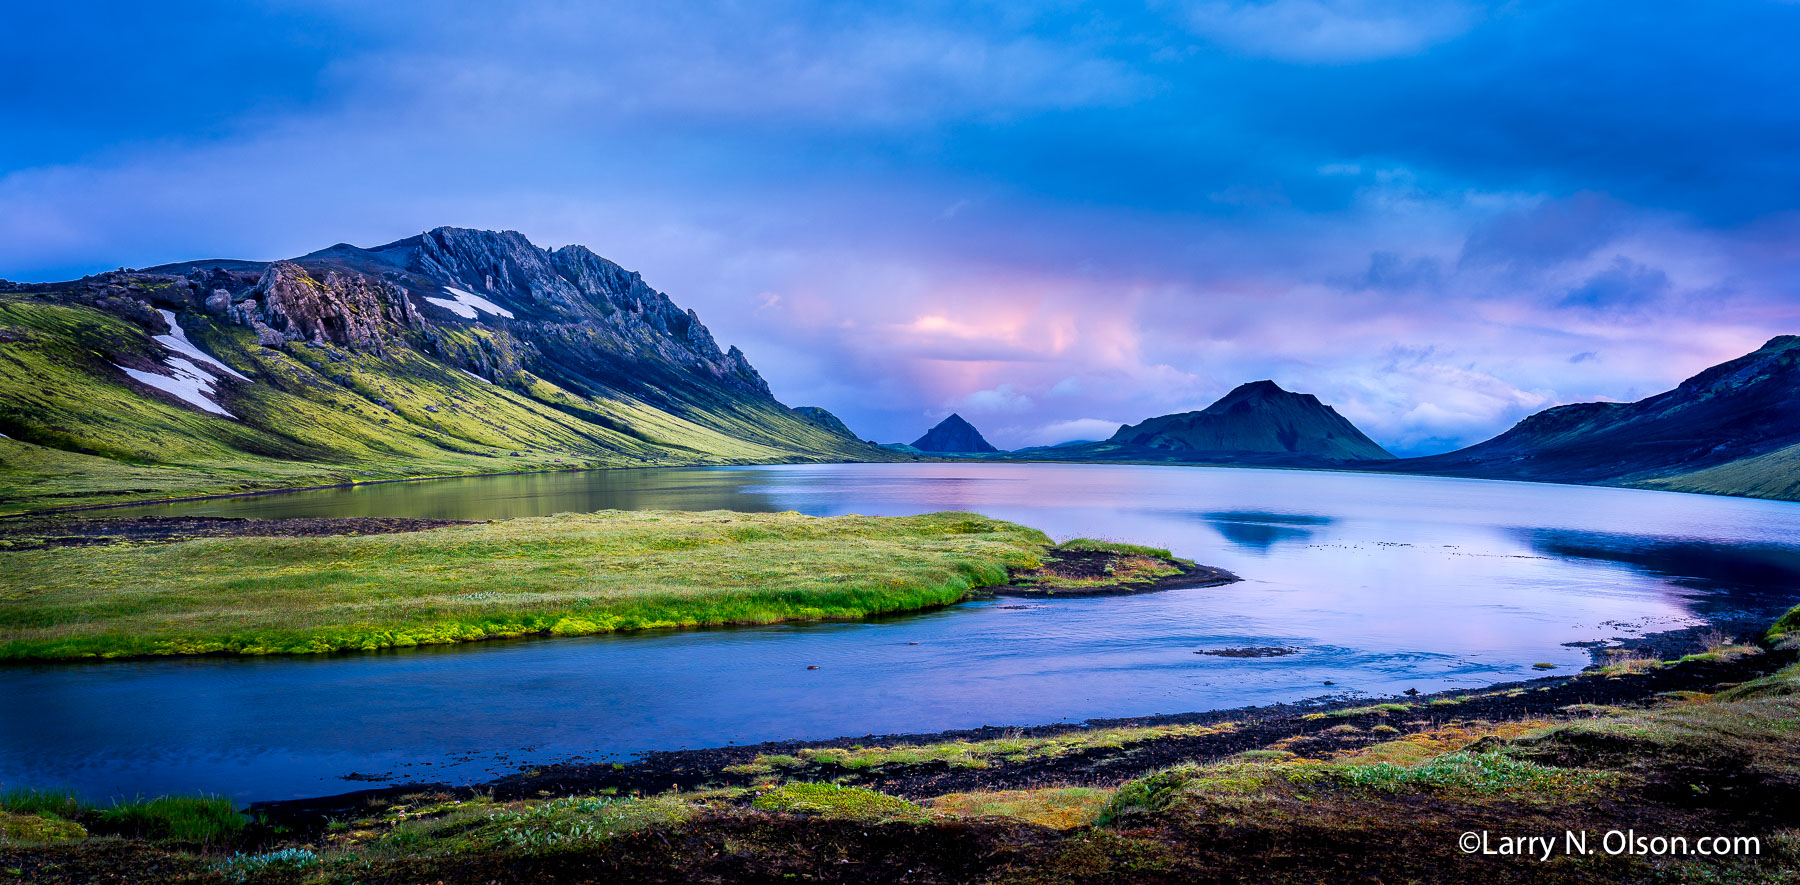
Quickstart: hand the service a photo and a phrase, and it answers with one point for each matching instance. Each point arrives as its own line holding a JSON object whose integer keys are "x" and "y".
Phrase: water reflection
{"x": 1259, "y": 530}
{"x": 1754, "y": 576}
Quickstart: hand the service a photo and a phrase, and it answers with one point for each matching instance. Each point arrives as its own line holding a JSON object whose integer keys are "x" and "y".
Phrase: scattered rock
{"x": 1260, "y": 651}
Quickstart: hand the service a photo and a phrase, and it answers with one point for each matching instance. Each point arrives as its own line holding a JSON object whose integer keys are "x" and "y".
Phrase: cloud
{"x": 1550, "y": 232}
{"x": 1391, "y": 271}
{"x": 1002, "y": 399}
{"x": 1624, "y": 287}
{"x": 1058, "y": 432}
{"x": 1332, "y": 31}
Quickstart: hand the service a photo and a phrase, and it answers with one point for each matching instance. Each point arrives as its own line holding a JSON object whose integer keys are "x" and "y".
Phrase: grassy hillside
{"x": 563, "y": 575}
{"x": 1774, "y": 475}
{"x": 79, "y": 431}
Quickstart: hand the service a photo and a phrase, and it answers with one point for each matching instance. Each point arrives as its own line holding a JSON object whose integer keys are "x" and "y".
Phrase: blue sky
{"x": 1052, "y": 218}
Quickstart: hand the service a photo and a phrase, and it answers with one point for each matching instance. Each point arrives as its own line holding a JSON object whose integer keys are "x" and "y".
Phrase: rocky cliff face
{"x": 346, "y": 309}
{"x": 1256, "y": 418}
{"x": 953, "y": 435}
{"x": 570, "y": 296}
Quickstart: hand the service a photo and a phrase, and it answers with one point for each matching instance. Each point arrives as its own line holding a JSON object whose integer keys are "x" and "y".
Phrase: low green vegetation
{"x": 256, "y": 867}
{"x": 551, "y": 825}
{"x": 844, "y": 803}
{"x": 1627, "y": 663}
{"x": 562, "y": 575}
{"x": 1787, "y": 627}
{"x": 1456, "y": 774}
{"x": 203, "y": 819}
{"x": 1059, "y": 808}
{"x": 1352, "y": 712}
{"x": 1097, "y": 545}
{"x": 42, "y": 827}
{"x": 972, "y": 754}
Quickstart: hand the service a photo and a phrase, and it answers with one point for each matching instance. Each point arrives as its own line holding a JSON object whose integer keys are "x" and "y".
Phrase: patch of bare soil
{"x": 1098, "y": 573}
{"x": 39, "y": 532}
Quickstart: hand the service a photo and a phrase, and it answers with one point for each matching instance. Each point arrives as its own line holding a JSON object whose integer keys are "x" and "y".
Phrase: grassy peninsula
{"x": 564, "y": 575}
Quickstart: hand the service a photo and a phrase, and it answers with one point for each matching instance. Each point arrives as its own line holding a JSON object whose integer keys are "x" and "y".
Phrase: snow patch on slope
{"x": 466, "y": 304}
{"x": 474, "y": 376}
{"x": 190, "y": 384}
{"x": 177, "y": 341}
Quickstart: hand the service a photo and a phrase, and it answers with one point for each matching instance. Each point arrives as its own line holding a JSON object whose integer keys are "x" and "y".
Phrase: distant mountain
{"x": 953, "y": 434}
{"x": 824, "y": 419}
{"x": 454, "y": 351}
{"x": 1258, "y": 419}
{"x": 1061, "y": 445}
{"x": 1732, "y": 429}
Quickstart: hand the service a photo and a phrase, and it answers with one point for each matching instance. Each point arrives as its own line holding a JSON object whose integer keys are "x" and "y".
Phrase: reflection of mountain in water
{"x": 1256, "y": 530}
{"x": 1758, "y": 581}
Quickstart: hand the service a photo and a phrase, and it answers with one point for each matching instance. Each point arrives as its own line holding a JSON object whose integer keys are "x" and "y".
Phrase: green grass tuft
{"x": 1787, "y": 625}
{"x": 1097, "y": 545}
{"x": 207, "y": 820}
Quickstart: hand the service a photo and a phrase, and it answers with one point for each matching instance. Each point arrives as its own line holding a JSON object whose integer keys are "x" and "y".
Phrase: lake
{"x": 1384, "y": 583}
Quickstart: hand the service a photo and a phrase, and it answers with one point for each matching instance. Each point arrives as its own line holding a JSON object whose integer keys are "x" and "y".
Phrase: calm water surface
{"x": 1385, "y": 583}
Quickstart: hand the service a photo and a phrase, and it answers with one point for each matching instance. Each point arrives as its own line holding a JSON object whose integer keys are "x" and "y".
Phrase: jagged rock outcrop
{"x": 953, "y": 435}
{"x": 346, "y": 309}
{"x": 824, "y": 419}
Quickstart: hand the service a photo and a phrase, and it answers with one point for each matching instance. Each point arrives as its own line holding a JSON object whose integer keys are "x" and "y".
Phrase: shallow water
{"x": 1384, "y": 582}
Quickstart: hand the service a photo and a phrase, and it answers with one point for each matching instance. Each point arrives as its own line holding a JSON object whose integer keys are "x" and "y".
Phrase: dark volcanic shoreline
{"x": 37, "y": 533}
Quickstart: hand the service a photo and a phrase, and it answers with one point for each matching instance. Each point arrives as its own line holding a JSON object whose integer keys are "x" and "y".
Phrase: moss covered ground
{"x": 565, "y": 575}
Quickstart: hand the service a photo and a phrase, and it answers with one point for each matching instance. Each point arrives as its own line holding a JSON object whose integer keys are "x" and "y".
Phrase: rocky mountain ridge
{"x": 544, "y": 306}
{"x": 418, "y": 356}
